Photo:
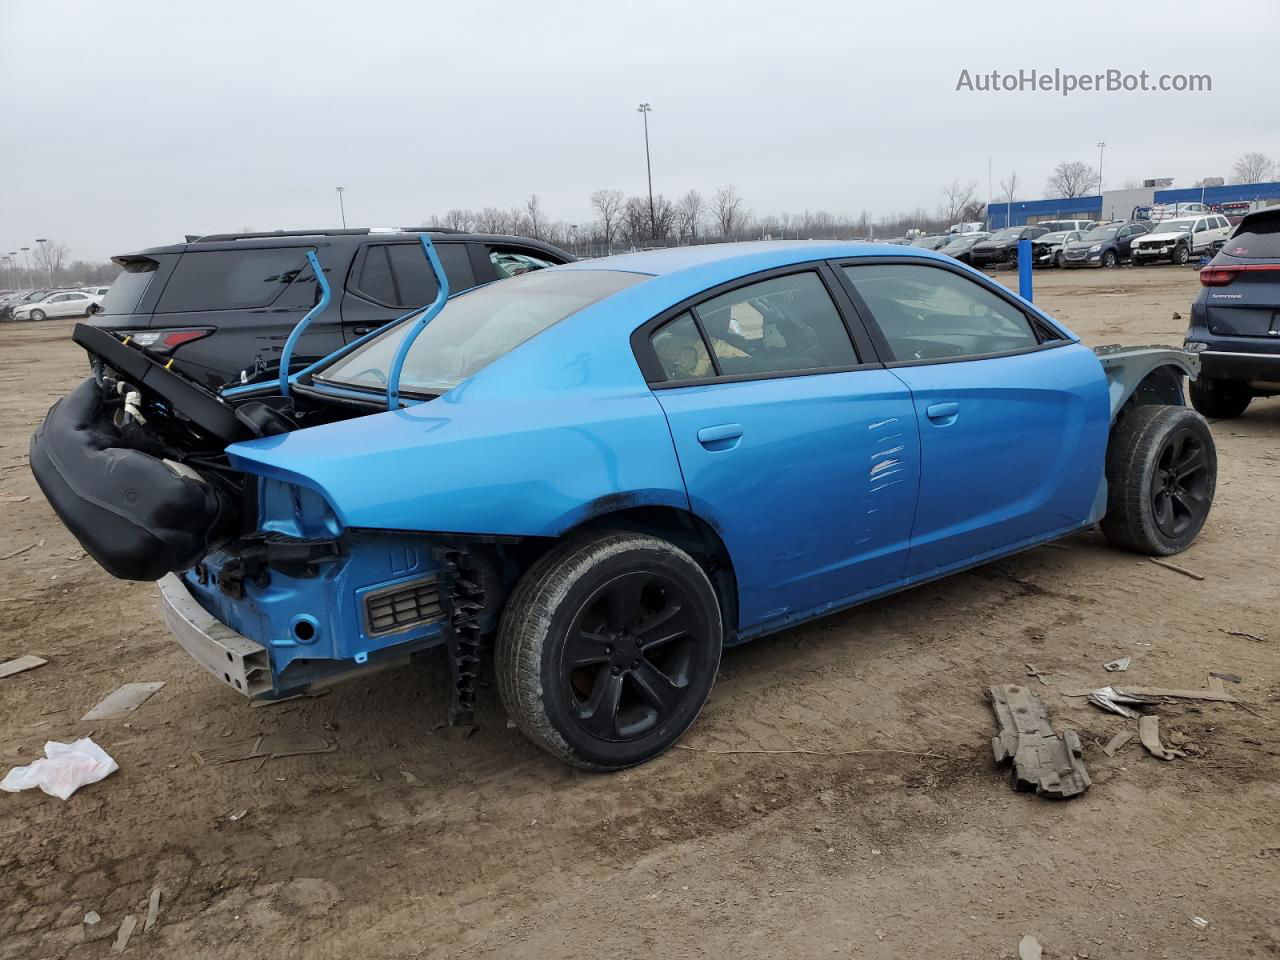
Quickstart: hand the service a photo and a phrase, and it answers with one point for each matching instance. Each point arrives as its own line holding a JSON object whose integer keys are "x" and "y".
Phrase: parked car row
{"x": 52, "y": 302}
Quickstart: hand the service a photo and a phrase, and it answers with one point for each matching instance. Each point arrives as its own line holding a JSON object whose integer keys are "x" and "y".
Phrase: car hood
{"x": 1086, "y": 244}
{"x": 1164, "y": 235}
{"x": 993, "y": 244}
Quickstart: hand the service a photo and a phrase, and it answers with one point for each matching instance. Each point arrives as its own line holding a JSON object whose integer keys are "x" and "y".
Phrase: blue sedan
{"x": 600, "y": 474}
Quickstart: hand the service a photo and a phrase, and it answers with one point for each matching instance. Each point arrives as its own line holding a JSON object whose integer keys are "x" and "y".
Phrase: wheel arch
{"x": 1142, "y": 376}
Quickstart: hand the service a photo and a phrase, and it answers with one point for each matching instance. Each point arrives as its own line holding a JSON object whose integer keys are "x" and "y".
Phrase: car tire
{"x": 1180, "y": 255}
{"x": 627, "y": 622}
{"x": 1057, "y": 259}
{"x": 38, "y": 314}
{"x": 1109, "y": 259}
{"x": 1220, "y": 399}
{"x": 1162, "y": 470}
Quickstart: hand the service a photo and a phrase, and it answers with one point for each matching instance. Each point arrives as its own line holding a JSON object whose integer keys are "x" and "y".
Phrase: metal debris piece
{"x": 153, "y": 910}
{"x": 126, "y": 931}
{"x": 1029, "y": 948}
{"x": 1200, "y": 922}
{"x": 1113, "y": 700}
{"x": 92, "y": 917}
{"x": 309, "y": 695}
{"x": 21, "y": 665}
{"x": 1175, "y": 568}
{"x": 1049, "y": 764}
{"x": 1118, "y": 665}
{"x": 1229, "y": 677}
{"x": 1117, "y": 742}
{"x": 1149, "y": 733}
{"x": 1256, "y": 638}
{"x": 267, "y": 747}
{"x": 1032, "y": 671}
{"x": 1154, "y": 694}
{"x": 122, "y": 702}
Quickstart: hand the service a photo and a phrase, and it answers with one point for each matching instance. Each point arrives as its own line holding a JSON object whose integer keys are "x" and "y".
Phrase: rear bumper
{"x": 1226, "y": 365}
{"x": 237, "y": 661}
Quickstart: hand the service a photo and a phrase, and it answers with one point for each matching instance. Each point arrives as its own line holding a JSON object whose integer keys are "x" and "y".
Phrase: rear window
{"x": 128, "y": 287}
{"x": 231, "y": 279}
{"x": 477, "y": 328}
{"x": 1260, "y": 241}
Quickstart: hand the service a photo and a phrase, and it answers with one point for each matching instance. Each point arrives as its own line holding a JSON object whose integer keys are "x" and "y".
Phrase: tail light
{"x": 1220, "y": 276}
{"x": 166, "y": 341}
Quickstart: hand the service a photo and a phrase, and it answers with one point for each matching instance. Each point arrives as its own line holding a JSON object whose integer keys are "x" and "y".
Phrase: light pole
{"x": 644, "y": 109}
{"x": 26, "y": 255}
{"x": 341, "y": 206}
{"x": 13, "y": 263}
{"x": 1102, "y": 146}
{"x": 48, "y": 262}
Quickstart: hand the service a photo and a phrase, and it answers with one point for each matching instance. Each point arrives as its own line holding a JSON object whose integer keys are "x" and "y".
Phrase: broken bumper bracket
{"x": 237, "y": 661}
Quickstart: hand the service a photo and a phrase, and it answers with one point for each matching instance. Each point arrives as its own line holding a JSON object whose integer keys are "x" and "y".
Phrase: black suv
{"x": 1235, "y": 322}
{"x": 223, "y": 305}
{"x": 1002, "y": 246}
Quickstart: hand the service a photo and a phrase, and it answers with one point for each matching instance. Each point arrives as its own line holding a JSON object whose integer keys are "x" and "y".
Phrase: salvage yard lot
{"x": 836, "y": 798}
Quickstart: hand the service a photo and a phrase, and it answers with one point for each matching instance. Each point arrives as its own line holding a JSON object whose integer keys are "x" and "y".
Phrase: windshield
{"x": 1008, "y": 233}
{"x": 1101, "y": 233}
{"x": 1173, "y": 226}
{"x": 476, "y": 328}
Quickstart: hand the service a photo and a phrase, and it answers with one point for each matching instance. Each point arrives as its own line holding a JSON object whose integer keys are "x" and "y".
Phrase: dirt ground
{"x": 837, "y": 797}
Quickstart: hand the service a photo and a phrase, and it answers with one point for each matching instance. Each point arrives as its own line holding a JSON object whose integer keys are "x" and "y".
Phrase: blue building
{"x": 1119, "y": 204}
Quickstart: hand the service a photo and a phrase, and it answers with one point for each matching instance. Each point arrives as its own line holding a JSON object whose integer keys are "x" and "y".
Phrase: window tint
{"x": 775, "y": 326}
{"x": 681, "y": 351}
{"x": 230, "y": 279}
{"x": 399, "y": 274}
{"x": 129, "y": 286}
{"x": 927, "y": 313}
{"x": 512, "y": 263}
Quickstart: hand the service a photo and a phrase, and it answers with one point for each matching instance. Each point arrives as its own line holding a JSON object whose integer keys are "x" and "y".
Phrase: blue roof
{"x": 737, "y": 259}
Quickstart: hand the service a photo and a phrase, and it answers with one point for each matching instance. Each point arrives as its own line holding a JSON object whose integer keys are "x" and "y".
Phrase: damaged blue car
{"x": 600, "y": 474}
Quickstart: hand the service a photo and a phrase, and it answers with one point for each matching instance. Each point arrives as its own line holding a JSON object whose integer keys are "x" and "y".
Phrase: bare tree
{"x": 956, "y": 196}
{"x": 663, "y": 217}
{"x": 609, "y": 204}
{"x": 50, "y": 256}
{"x": 534, "y": 212}
{"x": 689, "y": 212}
{"x": 1253, "y": 167}
{"x": 493, "y": 220}
{"x": 726, "y": 208}
{"x": 1071, "y": 178}
{"x": 463, "y": 220}
{"x": 635, "y": 221}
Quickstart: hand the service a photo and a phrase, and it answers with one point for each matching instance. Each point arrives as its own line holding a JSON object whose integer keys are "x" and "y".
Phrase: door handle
{"x": 942, "y": 413}
{"x": 361, "y": 331}
{"x": 724, "y": 436}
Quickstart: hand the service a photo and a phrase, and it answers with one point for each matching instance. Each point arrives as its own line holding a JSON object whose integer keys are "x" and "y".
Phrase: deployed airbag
{"x": 138, "y": 516}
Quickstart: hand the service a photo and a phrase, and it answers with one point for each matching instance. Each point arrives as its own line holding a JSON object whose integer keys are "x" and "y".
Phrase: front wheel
{"x": 38, "y": 314}
{"x": 1162, "y": 469}
{"x": 608, "y": 648}
{"x": 1180, "y": 254}
{"x": 1220, "y": 399}
{"x": 1057, "y": 258}
{"x": 1109, "y": 258}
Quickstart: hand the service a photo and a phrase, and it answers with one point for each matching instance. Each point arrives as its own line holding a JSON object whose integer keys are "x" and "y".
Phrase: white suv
{"x": 1179, "y": 240}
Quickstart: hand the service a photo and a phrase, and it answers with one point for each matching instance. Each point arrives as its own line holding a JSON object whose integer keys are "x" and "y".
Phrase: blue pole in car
{"x": 286, "y": 355}
{"x": 1024, "y": 268}
{"x": 416, "y": 326}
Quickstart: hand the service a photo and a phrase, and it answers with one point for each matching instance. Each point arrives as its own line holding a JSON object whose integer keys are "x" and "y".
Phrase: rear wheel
{"x": 1220, "y": 399}
{"x": 38, "y": 314}
{"x": 1162, "y": 469}
{"x": 608, "y": 649}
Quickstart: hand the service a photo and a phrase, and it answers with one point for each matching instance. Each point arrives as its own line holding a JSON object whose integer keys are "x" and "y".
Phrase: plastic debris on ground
{"x": 21, "y": 665}
{"x": 1200, "y": 922}
{"x": 122, "y": 702}
{"x": 1029, "y": 948}
{"x": 64, "y": 769}
{"x": 1117, "y": 701}
{"x": 1117, "y": 666}
{"x": 1149, "y": 734}
{"x": 1042, "y": 761}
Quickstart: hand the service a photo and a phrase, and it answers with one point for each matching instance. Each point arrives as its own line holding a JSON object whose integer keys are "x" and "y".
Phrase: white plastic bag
{"x": 65, "y": 768}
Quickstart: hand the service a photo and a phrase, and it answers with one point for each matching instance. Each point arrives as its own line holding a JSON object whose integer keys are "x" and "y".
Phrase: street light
{"x": 644, "y": 109}
{"x": 48, "y": 261}
{"x": 26, "y": 255}
{"x": 1102, "y": 145}
{"x": 341, "y": 207}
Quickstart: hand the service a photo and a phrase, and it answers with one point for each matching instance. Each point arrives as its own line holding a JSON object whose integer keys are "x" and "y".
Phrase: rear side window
{"x": 927, "y": 313}
{"x": 681, "y": 351}
{"x": 1261, "y": 240}
{"x": 399, "y": 274}
{"x": 129, "y": 285}
{"x": 782, "y": 325}
{"x": 230, "y": 279}
{"x": 512, "y": 263}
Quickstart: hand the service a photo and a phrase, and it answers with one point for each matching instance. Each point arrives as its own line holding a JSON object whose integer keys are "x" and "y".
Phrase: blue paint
{"x": 286, "y": 355}
{"x": 1024, "y": 269}
{"x": 418, "y": 324}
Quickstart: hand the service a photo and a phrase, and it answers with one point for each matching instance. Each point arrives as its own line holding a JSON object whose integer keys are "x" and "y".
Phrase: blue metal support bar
{"x": 286, "y": 355}
{"x": 1024, "y": 268}
{"x": 416, "y": 326}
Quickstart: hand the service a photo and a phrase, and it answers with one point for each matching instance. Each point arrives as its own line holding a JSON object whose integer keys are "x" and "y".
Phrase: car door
{"x": 390, "y": 279}
{"x": 1013, "y": 415}
{"x": 1124, "y": 240}
{"x": 62, "y": 305}
{"x": 799, "y": 449}
{"x": 74, "y": 305}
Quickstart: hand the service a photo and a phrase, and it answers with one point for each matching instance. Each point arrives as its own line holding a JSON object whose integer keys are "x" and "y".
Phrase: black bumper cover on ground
{"x": 133, "y": 513}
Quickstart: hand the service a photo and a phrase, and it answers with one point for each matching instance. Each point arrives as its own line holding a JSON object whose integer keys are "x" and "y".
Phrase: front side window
{"x": 781, "y": 325}
{"x": 476, "y": 328}
{"x": 927, "y": 313}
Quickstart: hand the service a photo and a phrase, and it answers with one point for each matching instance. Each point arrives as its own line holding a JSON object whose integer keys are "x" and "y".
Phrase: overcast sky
{"x": 131, "y": 124}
